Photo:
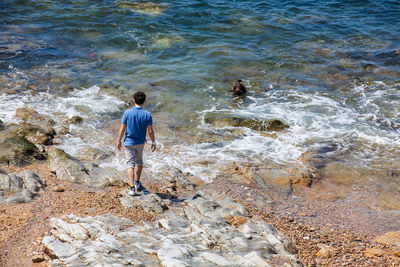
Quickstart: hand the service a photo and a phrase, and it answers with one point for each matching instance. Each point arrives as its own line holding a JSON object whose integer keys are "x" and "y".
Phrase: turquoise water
{"x": 328, "y": 69}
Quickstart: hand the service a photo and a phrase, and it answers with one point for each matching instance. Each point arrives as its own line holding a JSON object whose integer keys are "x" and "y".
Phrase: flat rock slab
{"x": 192, "y": 233}
{"x": 143, "y": 201}
{"x": 19, "y": 187}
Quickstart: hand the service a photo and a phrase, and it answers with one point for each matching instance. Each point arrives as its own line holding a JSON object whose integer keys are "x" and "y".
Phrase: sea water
{"x": 328, "y": 69}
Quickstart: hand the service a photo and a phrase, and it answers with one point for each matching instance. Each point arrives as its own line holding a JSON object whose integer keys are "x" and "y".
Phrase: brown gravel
{"x": 346, "y": 248}
{"x": 22, "y": 226}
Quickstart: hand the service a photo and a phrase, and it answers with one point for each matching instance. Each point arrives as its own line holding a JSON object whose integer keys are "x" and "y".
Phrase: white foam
{"x": 315, "y": 118}
{"x": 87, "y": 103}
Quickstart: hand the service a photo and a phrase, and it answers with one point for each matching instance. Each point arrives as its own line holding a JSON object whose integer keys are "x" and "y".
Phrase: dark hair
{"x": 139, "y": 97}
{"x": 239, "y": 88}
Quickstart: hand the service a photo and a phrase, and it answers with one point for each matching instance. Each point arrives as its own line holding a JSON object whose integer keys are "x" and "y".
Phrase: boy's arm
{"x": 153, "y": 139}
{"x": 120, "y": 135}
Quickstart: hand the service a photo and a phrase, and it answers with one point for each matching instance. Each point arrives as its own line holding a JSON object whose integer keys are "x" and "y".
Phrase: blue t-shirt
{"x": 136, "y": 120}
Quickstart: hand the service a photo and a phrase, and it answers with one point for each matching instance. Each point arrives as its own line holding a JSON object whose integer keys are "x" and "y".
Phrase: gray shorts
{"x": 134, "y": 155}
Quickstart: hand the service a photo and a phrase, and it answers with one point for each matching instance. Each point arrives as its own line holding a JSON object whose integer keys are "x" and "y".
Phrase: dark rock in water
{"x": 36, "y": 128}
{"x": 386, "y": 58}
{"x": 222, "y": 120}
{"x": 74, "y": 120}
{"x": 62, "y": 129}
{"x": 1, "y": 125}
{"x": 18, "y": 150}
{"x": 389, "y": 58}
{"x": 357, "y": 55}
{"x": 370, "y": 67}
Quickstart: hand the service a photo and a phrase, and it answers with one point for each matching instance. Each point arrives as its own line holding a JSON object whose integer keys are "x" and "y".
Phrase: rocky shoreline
{"x": 68, "y": 211}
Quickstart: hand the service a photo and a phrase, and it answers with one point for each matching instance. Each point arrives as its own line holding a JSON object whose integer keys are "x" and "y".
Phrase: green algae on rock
{"x": 224, "y": 120}
{"x": 32, "y": 133}
{"x": 17, "y": 150}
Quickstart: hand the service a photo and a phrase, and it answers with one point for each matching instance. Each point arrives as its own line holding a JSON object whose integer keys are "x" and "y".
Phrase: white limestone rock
{"x": 192, "y": 234}
{"x": 216, "y": 259}
{"x": 23, "y": 186}
{"x": 150, "y": 203}
{"x": 56, "y": 248}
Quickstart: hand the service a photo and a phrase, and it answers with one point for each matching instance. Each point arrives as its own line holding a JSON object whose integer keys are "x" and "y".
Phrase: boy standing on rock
{"x": 135, "y": 122}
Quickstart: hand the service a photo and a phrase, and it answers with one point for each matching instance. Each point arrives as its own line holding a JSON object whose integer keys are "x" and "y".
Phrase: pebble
{"x": 324, "y": 252}
{"x": 37, "y": 258}
{"x": 374, "y": 252}
{"x": 58, "y": 188}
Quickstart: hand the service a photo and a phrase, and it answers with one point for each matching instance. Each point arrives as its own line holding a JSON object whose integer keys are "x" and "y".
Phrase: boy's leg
{"x": 139, "y": 161}
{"x": 130, "y": 155}
{"x": 138, "y": 172}
{"x": 139, "y": 166}
{"x": 131, "y": 176}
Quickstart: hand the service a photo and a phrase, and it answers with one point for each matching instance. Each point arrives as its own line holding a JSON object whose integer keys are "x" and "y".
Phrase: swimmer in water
{"x": 239, "y": 89}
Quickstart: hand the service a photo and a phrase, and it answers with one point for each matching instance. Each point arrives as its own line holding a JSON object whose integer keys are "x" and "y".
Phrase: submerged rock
{"x": 121, "y": 56}
{"x": 148, "y": 8}
{"x": 222, "y": 120}
{"x": 22, "y": 187}
{"x": 74, "y": 120}
{"x": 166, "y": 42}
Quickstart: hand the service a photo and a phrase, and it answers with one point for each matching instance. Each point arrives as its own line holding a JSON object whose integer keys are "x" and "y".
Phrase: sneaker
{"x": 138, "y": 186}
{"x": 132, "y": 191}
